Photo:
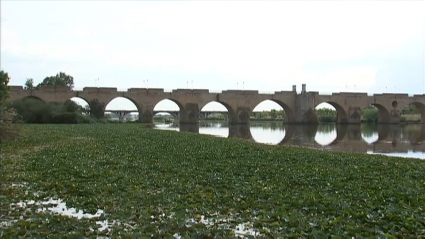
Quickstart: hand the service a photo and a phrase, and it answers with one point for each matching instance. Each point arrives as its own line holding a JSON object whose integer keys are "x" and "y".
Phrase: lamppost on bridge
{"x": 237, "y": 85}
{"x": 187, "y": 84}
{"x": 243, "y": 85}
{"x": 97, "y": 82}
{"x": 192, "y": 84}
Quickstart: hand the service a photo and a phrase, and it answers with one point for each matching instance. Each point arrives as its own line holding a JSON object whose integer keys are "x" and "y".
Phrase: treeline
{"x": 324, "y": 115}
{"x": 32, "y": 110}
{"x": 60, "y": 79}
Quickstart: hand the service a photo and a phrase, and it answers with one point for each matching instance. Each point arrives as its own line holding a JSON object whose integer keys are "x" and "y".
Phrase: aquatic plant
{"x": 177, "y": 185}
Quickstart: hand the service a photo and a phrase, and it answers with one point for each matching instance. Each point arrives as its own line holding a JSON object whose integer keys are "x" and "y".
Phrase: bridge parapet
{"x": 143, "y": 90}
{"x": 285, "y": 92}
{"x": 240, "y": 92}
{"x": 146, "y": 90}
{"x": 108, "y": 90}
{"x": 350, "y": 94}
{"x": 391, "y": 95}
{"x": 16, "y": 88}
{"x": 53, "y": 88}
{"x": 100, "y": 90}
{"x": 191, "y": 91}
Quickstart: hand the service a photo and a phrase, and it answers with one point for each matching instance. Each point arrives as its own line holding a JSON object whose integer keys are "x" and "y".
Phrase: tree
{"x": 72, "y": 107}
{"x": 6, "y": 116}
{"x": 95, "y": 108}
{"x": 4, "y": 88}
{"x": 273, "y": 114}
{"x": 29, "y": 84}
{"x": 60, "y": 79}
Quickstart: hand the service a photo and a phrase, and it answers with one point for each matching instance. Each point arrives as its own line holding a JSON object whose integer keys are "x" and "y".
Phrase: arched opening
{"x": 166, "y": 115}
{"x": 369, "y": 133}
{"x": 214, "y": 111}
{"x": 326, "y": 113}
{"x": 375, "y": 113}
{"x": 326, "y": 134}
{"x": 413, "y": 113}
{"x": 122, "y": 109}
{"x": 271, "y": 110}
{"x": 33, "y": 98}
{"x": 214, "y": 119}
{"x": 370, "y": 115}
{"x": 332, "y": 112}
{"x": 81, "y": 104}
{"x": 266, "y": 121}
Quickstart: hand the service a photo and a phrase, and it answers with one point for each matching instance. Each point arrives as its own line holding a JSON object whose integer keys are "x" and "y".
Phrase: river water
{"x": 406, "y": 140}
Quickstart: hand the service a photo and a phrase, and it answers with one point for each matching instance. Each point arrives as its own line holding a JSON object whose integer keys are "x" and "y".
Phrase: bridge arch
{"x": 122, "y": 106}
{"x": 383, "y": 114}
{"x": 174, "y": 114}
{"x": 32, "y": 97}
{"x": 169, "y": 106}
{"x": 288, "y": 115}
{"x": 341, "y": 113}
{"x": 76, "y": 104}
{"x": 231, "y": 114}
{"x": 80, "y": 101}
{"x": 215, "y": 106}
{"x": 421, "y": 108}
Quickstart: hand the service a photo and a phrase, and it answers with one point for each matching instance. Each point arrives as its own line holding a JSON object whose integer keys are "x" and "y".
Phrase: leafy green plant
{"x": 163, "y": 183}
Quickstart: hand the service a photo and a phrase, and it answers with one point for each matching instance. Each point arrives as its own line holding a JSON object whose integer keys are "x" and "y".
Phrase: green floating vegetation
{"x": 152, "y": 183}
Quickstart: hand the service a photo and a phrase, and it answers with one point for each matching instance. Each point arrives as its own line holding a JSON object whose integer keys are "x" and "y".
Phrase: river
{"x": 405, "y": 140}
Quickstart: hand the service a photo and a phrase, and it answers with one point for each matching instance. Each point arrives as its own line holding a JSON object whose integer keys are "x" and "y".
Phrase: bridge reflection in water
{"x": 396, "y": 140}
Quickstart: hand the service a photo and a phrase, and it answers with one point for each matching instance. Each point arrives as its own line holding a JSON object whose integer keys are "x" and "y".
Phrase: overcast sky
{"x": 333, "y": 46}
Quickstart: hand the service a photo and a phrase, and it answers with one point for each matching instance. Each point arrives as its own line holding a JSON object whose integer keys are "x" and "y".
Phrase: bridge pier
{"x": 193, "y": 128}
{"x": 305, "y": 108}
{"x": 189, "y": 114}
{"x": 146, "y": 115}
{"x": 241, "y": 116}
{"x": 240, "y": 131}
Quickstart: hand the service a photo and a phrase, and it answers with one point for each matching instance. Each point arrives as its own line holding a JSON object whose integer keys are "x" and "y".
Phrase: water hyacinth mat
{"x": 126, "y": 180}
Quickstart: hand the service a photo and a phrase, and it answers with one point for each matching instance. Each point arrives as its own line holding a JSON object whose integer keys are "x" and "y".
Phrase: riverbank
{"x": 141, "y": 181}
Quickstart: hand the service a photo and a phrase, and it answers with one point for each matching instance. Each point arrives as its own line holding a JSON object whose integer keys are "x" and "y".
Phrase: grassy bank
{"x": 151, "y": 183}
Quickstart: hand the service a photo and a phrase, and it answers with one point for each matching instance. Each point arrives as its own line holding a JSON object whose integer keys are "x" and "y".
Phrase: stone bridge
{"x": 299, "y": 108}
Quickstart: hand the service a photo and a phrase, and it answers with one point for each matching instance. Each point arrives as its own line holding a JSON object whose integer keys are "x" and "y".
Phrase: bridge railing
{"x": 77, "y": 89}
{"x": 325, "y": 93}
{"x": 122, "y": 90}
{"x": 168, "y": 90}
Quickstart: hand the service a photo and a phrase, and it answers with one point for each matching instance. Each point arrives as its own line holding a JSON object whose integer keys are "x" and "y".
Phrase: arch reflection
{"x": 267, "y": 132}
{"x": 407, "y": 140}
